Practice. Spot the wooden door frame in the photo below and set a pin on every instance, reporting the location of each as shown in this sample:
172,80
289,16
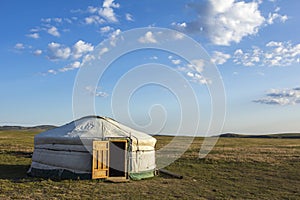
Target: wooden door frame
100,162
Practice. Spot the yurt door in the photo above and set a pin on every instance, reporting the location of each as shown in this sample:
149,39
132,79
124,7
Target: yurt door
100,168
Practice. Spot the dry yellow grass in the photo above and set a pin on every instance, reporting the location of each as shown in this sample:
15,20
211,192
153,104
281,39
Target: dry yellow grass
237,168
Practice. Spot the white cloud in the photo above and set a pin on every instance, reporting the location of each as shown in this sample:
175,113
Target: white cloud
35,29
68,20
179,25
272,17
110,4
103,51
102,14
238,52
226,22
19,46
198,78
92,9
46,20
153,58
281,97
37,52
87,58
52,71
94,19
105,29
74,18
248,58
220,6
231,21
273,44
76,11
53,31
101,94
176,61
113,37
56,51
96,91
34,35
220,58
128,17
81,48
274,54
197,65
107,10
70,67
193,71
56,20
190,74
178,36
273,101
148,38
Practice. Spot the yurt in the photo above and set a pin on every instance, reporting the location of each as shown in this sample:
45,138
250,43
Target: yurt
93,147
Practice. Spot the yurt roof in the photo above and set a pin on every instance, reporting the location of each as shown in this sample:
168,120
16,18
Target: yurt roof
93,127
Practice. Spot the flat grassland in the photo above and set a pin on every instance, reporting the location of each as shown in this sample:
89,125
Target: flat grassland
237,168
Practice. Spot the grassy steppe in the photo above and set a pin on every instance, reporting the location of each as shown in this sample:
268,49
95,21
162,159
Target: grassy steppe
237,168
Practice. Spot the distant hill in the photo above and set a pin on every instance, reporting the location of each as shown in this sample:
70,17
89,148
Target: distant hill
41,127
281,135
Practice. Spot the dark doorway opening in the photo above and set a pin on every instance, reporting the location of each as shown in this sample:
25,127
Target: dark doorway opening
117,158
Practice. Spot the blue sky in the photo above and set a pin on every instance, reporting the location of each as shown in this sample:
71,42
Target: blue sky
254,44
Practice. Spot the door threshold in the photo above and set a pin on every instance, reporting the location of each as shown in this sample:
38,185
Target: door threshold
117,179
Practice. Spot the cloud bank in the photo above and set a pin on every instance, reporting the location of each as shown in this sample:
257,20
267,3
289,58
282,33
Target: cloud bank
281,97
274,54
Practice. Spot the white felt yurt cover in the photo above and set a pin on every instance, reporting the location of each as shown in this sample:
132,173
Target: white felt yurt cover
68,149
